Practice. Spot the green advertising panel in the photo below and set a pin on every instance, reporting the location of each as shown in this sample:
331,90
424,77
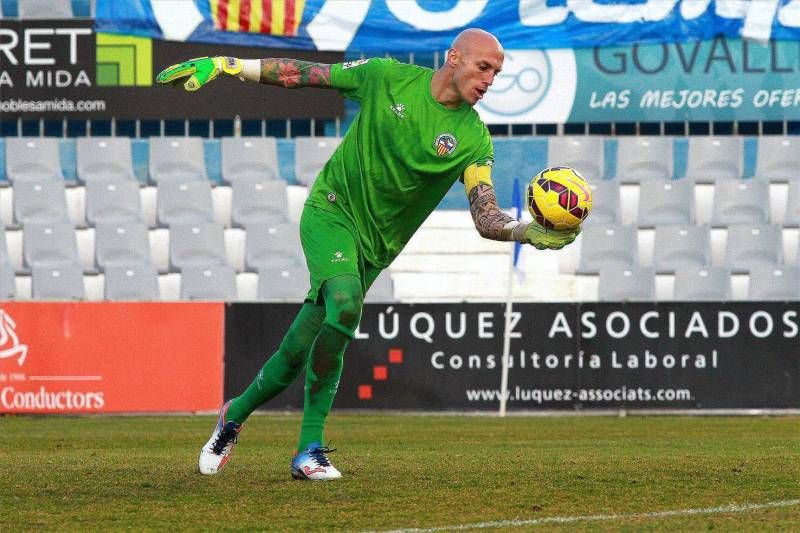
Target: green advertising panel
721,79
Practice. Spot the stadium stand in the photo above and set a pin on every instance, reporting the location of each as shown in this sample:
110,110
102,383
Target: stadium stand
272,245
584,153
131,282
209,282
665,202
104,159
644,158
259,202
121,244
48,244
777,159
40,201
33,158
771,283
608,247
198,245
637,284
681,246
250,159
184,202
702,284
282,284
45,9
605,202
114,202
8,284
311,154
177,159
792,213
710,159
751,245
740,202
58,282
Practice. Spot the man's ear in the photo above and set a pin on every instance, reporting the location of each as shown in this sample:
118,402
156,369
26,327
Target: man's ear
453,57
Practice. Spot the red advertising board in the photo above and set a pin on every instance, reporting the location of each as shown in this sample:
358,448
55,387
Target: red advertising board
88,357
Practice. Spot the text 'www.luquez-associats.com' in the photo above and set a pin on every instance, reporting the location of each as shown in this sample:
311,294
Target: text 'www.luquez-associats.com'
618,394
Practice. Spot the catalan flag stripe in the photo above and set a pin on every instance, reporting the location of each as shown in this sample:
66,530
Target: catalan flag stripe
278,14
244,15
233,15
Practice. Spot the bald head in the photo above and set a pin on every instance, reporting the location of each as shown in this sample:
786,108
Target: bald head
473,39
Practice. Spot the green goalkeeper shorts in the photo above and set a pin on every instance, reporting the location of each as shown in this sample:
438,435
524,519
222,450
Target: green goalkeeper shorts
331,247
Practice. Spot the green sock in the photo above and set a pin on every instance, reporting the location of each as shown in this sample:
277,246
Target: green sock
283,367
344,298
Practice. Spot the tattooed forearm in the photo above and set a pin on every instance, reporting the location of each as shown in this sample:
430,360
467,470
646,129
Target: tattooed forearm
291,73
489,219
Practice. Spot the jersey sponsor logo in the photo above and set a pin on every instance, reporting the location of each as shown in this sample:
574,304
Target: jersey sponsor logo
399,110
445,144
351,64
338,257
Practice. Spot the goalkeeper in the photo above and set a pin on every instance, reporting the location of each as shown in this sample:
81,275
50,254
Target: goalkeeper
414,135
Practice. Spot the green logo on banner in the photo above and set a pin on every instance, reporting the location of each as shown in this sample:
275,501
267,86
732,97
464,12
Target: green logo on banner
123,60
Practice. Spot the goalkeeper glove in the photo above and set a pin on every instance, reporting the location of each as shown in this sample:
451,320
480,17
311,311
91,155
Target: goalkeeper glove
197,72
543,238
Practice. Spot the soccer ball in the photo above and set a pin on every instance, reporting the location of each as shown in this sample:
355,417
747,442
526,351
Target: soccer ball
559,198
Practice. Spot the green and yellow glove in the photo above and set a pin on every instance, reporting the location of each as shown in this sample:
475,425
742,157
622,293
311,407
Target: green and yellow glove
197,72
543,238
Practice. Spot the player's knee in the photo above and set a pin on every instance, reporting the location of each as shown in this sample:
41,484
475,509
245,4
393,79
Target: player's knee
295,348
346,311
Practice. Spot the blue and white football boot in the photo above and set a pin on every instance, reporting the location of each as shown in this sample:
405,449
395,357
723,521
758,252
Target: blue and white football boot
215,454
313,464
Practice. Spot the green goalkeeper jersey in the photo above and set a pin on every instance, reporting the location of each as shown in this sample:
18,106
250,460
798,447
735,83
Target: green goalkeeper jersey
402,153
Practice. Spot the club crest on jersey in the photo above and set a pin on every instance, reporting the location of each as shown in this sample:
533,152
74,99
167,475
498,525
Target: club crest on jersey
351,64
445,144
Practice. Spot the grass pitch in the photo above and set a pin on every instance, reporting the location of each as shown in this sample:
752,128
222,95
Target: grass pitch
139,473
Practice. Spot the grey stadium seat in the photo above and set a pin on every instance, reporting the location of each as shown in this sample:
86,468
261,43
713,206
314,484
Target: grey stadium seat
774,283
40,201
778,158
666,202
104,159
58,282
184,202
249,158
196,245
310,155
131,282
608,246
605,202
752,245
740,202
583,153
289,284
637,284
714,158
44,9
792,217
8,286
177,159
272,245
114,201
259,201
49,244
382,289
644,158
121,244
33,158
679,246
213,282
702,284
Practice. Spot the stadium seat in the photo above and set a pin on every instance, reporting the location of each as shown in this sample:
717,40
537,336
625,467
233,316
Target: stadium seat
310,155
113,202
272,245
679,246
740,202
177,159
40,201
48,244
121,244
605,202
210,282
196,245
777,159
58,282
259,201
249,158
44,9
751,245
702,284
184,202
636,284
710,159
666,202
774,283
104,159
644,158
8,286
382,289
583,153
608,246
288,284
792,217
33,158
131,282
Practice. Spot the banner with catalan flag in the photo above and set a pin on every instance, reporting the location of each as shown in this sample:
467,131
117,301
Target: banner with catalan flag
274,17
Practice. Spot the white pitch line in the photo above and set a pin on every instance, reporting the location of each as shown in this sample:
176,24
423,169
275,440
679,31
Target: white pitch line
733,508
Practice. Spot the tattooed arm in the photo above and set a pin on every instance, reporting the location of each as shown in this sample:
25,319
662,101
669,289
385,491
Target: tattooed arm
292,73
489,220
